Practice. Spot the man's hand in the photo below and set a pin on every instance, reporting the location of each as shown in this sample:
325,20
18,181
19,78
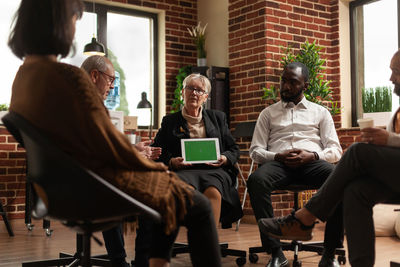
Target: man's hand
177,163
221,161
376,136
295,158
147,151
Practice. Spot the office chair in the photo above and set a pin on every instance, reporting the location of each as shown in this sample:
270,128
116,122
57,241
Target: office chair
245,131
5,220
297,246
66,191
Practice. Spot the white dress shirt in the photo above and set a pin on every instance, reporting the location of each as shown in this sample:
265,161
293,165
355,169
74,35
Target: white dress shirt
394,138
283,126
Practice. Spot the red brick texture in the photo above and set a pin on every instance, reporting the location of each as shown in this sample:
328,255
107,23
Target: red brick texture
12,175
259,29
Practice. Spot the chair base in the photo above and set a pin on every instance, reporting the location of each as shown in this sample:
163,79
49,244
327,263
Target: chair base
298,246
180,248
80,258
68,260
5,219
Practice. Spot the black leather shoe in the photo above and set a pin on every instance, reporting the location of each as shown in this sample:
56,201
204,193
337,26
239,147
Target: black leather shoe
276,262
328,262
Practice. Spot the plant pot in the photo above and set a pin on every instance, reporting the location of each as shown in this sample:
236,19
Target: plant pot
380,118
202,62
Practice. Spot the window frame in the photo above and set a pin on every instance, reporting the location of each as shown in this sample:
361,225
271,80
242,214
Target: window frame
353,52
101,33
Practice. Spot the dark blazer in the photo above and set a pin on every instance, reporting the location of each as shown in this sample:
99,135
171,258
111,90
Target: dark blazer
174,128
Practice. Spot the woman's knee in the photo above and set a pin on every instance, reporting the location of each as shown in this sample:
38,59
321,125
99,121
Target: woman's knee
212,193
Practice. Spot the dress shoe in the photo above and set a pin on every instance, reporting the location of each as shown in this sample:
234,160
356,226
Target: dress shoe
277,262
328,262
288,227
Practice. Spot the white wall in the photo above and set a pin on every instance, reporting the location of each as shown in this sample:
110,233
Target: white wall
215,13
345,67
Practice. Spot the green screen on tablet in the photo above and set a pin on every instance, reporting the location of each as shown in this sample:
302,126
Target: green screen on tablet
200,150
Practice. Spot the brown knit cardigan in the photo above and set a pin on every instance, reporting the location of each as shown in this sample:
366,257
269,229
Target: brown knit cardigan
61,100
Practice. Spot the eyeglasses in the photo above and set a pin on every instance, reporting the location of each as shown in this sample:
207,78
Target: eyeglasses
111,79
196,91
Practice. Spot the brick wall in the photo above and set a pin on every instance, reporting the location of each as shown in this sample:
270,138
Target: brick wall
12,175
258,30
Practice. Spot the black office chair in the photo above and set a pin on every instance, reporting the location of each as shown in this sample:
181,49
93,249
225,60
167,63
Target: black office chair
244,131
68,192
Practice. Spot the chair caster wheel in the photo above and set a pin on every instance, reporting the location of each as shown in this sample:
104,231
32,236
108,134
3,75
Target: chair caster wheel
241,261
341,260
48,231
29,226
253,257
297,264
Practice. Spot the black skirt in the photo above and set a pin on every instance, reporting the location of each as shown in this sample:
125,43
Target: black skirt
202,178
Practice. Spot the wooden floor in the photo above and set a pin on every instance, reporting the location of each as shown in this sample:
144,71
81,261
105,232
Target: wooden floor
34,245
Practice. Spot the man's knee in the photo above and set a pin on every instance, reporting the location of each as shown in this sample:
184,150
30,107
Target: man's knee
258,184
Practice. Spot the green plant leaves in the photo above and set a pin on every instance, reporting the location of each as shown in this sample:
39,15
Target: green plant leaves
177,102
378,99
318,90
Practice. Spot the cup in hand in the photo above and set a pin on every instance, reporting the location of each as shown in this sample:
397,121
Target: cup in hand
365,122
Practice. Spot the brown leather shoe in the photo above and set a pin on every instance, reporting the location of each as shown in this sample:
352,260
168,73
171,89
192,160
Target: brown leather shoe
288,227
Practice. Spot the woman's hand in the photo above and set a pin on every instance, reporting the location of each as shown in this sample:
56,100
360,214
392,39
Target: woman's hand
148,151
221,161
376,136
177,163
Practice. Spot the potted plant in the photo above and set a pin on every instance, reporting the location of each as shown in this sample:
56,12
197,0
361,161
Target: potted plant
3,110
177,102
377,104
198,35
318,90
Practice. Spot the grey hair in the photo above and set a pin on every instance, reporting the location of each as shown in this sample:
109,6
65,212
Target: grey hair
197,76
95,63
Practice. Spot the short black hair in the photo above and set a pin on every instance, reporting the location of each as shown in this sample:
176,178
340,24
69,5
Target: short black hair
44,27
304,69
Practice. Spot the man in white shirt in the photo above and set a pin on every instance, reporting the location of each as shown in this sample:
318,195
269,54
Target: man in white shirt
294,142
367,174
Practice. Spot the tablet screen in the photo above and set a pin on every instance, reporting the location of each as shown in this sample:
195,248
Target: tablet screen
200,150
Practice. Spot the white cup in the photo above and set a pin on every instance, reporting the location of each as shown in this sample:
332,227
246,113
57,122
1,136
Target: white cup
365,122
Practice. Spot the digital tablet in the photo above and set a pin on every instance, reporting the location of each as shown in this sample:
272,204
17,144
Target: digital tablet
200,150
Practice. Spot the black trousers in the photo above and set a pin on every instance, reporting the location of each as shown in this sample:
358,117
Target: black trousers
202,236
366,175
272,175
114,242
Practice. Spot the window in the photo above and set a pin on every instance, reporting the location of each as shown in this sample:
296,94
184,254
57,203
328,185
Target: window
130,39
10,62
374,39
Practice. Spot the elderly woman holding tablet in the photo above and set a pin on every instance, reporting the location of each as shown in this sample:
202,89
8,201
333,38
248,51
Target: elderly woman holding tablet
216,178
